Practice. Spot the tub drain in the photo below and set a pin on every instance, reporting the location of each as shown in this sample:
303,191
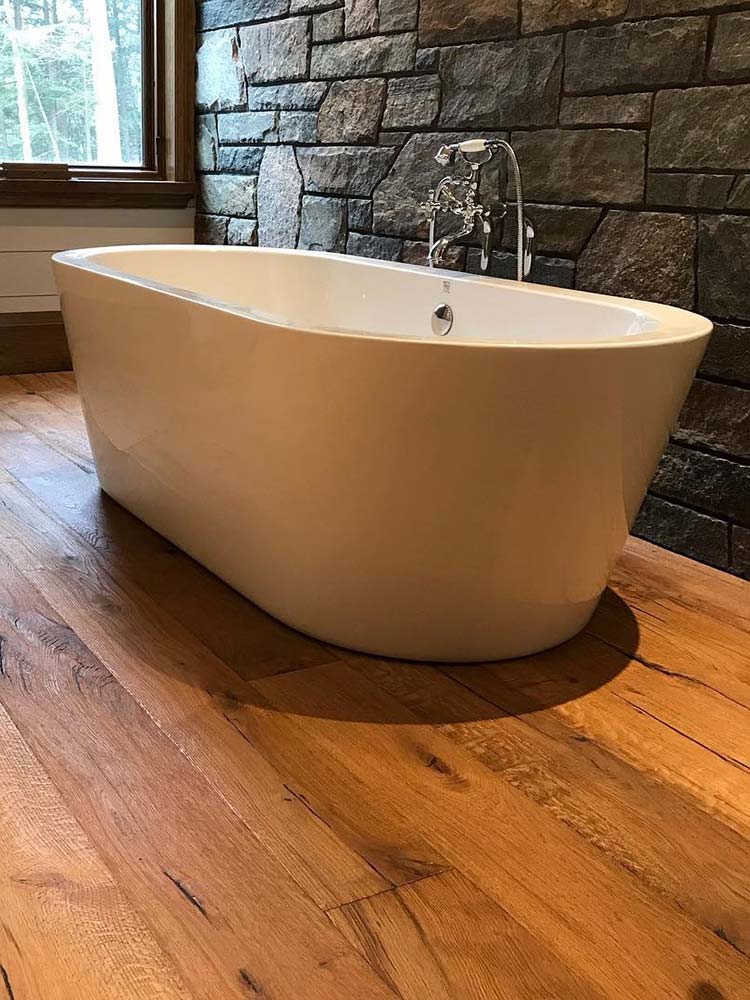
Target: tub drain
442,320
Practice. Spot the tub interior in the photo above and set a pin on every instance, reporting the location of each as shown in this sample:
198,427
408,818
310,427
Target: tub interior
349,295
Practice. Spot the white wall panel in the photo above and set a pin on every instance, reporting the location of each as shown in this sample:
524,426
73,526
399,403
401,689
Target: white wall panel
26,273
28,237
28,303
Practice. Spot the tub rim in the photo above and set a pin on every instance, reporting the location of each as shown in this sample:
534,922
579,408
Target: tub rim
674,325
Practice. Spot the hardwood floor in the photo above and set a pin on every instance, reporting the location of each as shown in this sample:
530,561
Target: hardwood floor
197,802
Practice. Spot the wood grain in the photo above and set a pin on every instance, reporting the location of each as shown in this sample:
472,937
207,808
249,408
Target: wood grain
571,825
220,904
693,623
178,681
442,938
62,430
67,930
106,192
671,730
494,834
643,823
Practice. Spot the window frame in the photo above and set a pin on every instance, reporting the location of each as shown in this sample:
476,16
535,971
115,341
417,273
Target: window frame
167,178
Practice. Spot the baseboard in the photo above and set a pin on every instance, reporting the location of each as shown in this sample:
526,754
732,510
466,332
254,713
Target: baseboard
33,342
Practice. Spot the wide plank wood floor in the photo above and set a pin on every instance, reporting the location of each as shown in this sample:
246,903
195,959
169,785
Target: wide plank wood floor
198,803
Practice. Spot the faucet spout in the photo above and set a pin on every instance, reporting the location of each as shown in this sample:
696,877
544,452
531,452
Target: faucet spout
438,248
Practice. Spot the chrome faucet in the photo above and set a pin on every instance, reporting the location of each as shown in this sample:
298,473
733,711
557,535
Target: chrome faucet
458,195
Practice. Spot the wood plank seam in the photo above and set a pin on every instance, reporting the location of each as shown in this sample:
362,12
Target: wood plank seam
642,711
666,671
391,888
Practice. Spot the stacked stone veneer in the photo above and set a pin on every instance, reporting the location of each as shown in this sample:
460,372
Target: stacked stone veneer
318,120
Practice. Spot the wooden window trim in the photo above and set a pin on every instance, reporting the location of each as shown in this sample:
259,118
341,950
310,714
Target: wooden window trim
168,178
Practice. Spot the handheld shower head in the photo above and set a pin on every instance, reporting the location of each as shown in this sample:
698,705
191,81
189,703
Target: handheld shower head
446,155
475,145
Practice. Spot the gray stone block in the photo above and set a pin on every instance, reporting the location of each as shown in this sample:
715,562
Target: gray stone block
240,159
689,190
634,55
543,15
360,214
211,229
242,232
730,52
642,255
686,531
448,22
717,485
352,111
279,197
344,170
377,247
397,15
229,194
704,128
716,416
328,26
561,230
397,139
427,60
364,56
223,13
246,127
276,50
287,97
367,17
723,255
740,551
360,17
298,126
652,8
412,101
740,193
599,165
502,84
323,224
614,109
312,6
728,354
206,143
220,84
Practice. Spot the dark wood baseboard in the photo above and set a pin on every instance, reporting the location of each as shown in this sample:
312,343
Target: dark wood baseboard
33,342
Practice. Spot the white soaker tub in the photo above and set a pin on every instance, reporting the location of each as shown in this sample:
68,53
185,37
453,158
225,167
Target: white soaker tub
291,421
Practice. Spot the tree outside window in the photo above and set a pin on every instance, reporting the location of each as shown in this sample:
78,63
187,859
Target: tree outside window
71,82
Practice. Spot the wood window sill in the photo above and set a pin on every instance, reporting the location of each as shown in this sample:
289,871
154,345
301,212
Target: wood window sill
79,192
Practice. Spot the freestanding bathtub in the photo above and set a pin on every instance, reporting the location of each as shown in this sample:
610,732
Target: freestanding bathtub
291,420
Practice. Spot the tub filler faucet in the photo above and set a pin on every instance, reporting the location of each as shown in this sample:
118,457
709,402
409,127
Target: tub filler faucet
458,194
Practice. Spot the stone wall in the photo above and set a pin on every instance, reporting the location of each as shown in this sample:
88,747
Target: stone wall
318,120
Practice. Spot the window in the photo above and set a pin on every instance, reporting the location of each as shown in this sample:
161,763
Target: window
95,90
72,82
